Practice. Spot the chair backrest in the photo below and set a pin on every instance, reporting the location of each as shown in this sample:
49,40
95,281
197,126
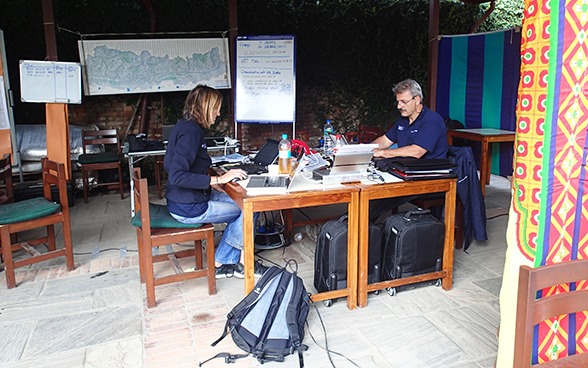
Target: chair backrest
53,173
368,133
531,311
302,135
95,137
142,200
6,177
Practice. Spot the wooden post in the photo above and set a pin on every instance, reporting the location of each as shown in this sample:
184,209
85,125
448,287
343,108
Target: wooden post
433,54
58,148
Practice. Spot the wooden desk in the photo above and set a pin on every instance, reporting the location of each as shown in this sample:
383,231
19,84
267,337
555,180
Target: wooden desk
257,203
487,137
377,191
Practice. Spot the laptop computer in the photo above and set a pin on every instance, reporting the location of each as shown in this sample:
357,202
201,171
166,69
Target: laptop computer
271,184
166,131
349,164
264,157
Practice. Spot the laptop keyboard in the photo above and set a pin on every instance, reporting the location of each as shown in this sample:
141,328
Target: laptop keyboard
274,182
250,168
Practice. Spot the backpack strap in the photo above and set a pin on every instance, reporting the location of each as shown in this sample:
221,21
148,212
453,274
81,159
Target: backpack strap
229,358
225,333
299,304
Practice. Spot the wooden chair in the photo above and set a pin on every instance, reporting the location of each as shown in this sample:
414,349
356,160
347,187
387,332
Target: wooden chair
7,196
365,134
155,228
302,135
351,137
108,160
35,213
158,164
531,311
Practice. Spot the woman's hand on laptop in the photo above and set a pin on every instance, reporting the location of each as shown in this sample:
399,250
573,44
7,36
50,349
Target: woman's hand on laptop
232,175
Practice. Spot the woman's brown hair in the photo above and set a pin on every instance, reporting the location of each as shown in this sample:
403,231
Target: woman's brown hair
202,104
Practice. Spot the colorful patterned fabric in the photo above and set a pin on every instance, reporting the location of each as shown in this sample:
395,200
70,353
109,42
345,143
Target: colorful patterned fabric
477,82
550,191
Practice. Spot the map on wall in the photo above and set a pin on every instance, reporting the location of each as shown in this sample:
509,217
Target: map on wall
142,66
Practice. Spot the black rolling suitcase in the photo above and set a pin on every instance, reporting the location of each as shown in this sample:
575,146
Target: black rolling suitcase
330,259
412,244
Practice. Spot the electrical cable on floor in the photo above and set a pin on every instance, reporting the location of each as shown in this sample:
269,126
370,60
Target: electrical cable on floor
326,348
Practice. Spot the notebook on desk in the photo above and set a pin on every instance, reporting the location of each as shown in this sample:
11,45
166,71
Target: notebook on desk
271,184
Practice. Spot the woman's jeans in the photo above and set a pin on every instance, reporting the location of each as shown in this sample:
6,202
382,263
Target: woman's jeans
221,209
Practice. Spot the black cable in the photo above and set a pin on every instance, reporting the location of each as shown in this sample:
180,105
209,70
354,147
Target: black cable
326,348
495,216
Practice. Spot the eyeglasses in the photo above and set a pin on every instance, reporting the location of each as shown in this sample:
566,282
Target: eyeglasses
404,102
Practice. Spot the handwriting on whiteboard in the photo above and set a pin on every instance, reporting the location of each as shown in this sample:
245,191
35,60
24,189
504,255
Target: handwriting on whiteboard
265,80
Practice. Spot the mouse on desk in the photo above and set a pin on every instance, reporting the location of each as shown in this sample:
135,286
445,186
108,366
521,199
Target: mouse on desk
237,179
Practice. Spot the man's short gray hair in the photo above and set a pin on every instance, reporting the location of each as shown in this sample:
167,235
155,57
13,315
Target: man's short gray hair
408,85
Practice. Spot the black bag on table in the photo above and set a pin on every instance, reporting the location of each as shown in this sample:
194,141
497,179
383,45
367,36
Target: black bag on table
330,258
412,244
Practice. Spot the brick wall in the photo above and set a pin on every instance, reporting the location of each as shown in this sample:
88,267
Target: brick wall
109,112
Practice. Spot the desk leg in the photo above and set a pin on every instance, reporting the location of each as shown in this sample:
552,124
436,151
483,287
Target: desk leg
288,226
449,233
352,247
363,226
489,163
484,166
248,247
132,185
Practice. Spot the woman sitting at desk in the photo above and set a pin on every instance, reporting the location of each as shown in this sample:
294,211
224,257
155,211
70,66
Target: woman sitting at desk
192,195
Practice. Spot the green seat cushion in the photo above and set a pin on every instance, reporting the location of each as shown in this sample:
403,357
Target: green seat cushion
97,158
29,209
161,219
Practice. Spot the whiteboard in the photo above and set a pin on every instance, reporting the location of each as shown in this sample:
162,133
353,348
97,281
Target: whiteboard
265,85
50,82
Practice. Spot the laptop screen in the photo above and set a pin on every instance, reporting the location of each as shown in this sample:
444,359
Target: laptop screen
166,132
268,153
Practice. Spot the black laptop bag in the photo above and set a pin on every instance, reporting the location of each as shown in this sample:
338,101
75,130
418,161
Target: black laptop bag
330,259
412,244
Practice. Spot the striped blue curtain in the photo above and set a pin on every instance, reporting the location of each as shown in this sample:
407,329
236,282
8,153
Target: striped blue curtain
477,82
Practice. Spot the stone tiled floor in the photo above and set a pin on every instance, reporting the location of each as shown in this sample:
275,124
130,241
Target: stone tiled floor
96,316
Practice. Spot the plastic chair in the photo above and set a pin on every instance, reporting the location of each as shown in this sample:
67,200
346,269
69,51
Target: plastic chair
531,311
35,213
100,161
155,228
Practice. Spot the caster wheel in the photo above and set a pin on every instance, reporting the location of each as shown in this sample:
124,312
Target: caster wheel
391,291
328,303
438,283
377,292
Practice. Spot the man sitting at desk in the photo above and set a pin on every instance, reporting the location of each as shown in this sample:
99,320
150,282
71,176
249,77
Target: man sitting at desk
419,132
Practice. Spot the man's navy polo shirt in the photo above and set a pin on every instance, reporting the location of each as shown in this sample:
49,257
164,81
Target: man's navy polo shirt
427,131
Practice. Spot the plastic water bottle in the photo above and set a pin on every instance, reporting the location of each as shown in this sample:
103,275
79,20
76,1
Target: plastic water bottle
328,146
338,143
284,155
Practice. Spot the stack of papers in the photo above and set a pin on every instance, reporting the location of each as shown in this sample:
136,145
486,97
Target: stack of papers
232,158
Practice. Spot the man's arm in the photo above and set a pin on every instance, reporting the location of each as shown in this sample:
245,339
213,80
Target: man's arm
408,151
383,142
